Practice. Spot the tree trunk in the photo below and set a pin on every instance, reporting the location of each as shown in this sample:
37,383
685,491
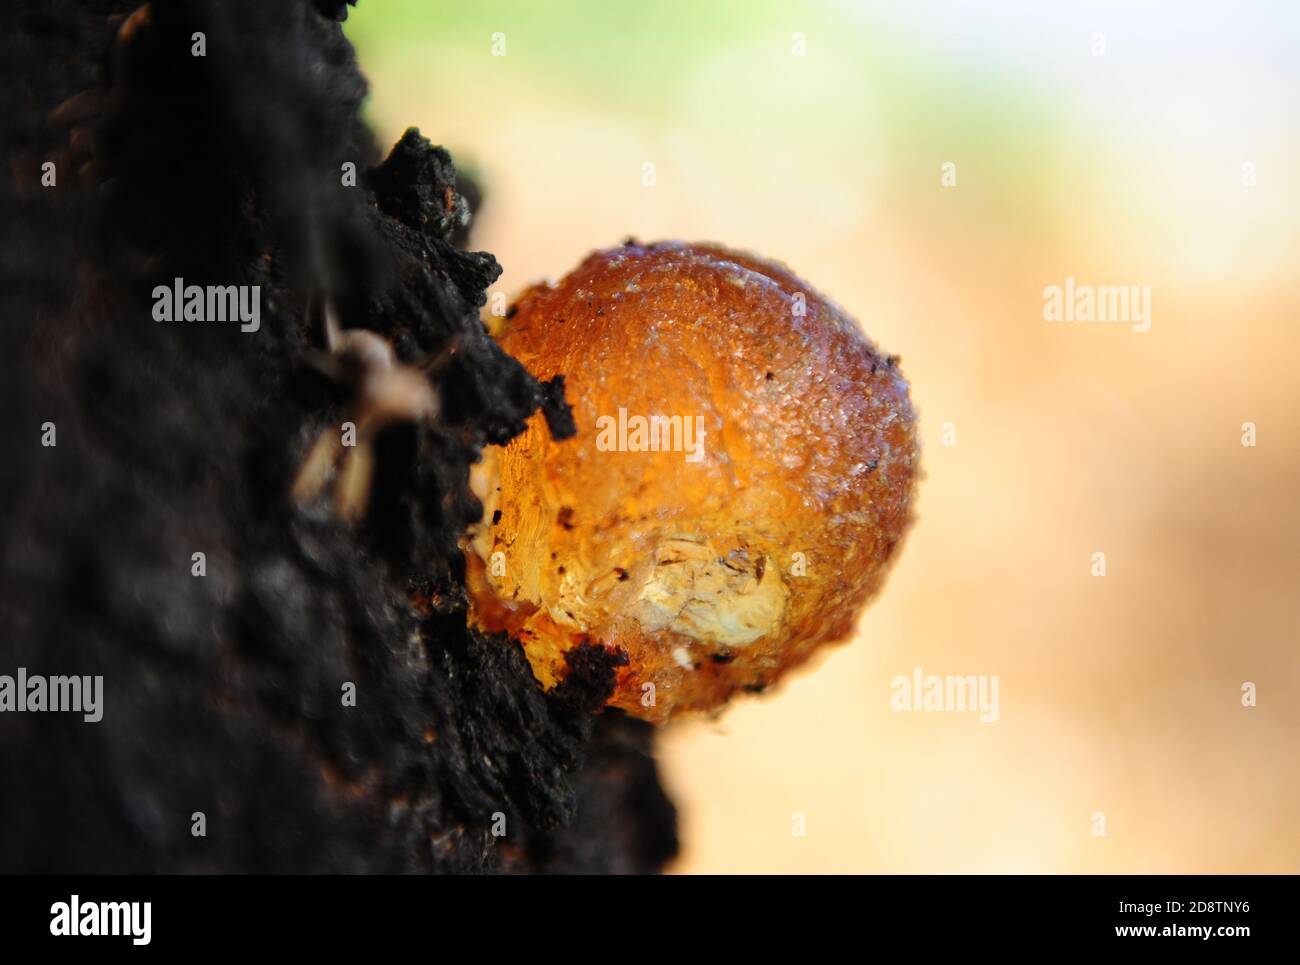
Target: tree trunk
228,741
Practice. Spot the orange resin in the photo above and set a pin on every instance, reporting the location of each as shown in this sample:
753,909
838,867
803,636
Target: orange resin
742,475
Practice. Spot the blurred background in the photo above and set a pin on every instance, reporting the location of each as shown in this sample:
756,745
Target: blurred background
1112,143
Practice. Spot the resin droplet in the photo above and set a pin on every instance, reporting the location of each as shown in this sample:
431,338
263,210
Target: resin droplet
742,474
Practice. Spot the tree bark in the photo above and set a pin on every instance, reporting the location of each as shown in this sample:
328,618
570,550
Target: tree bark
223,694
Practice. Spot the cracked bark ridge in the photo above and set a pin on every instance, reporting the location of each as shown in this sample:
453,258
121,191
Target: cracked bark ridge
222,693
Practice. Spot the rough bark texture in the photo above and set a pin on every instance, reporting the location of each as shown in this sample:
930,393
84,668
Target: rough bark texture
222,693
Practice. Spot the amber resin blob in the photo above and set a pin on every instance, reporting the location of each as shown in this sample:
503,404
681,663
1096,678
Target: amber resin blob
742,475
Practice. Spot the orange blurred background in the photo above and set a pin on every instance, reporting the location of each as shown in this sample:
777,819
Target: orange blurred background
1100,142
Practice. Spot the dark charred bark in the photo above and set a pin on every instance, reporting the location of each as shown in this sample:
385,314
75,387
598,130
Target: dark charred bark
222,693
